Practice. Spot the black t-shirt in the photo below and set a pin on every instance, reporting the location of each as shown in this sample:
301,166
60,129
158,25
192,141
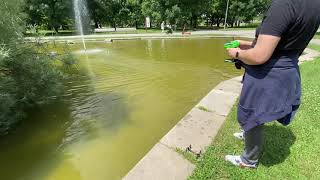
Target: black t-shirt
295,21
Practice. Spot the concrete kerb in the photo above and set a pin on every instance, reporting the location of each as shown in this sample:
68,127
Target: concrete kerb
109,40
161,163
198,128
309,55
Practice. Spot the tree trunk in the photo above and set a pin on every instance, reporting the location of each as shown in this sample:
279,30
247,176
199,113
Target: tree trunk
136,24
218,21
212,20
56,29
232,22
115,26
96,24
195,21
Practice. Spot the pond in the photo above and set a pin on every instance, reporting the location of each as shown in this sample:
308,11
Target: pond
138,90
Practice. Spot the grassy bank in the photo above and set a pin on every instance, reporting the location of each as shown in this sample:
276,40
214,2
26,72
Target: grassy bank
289,152
317,36
314,47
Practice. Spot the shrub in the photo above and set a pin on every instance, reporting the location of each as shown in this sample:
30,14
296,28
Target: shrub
29,75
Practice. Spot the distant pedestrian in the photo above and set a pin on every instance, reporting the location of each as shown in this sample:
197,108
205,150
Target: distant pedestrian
272,83
162,26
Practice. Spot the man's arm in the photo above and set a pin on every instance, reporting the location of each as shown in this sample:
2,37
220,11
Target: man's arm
260,54
245,44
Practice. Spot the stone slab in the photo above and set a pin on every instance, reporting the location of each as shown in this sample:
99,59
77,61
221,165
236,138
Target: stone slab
315,41
161,163
232,86
198,128
219,102
309,55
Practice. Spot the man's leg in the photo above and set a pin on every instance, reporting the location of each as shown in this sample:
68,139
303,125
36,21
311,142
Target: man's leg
253,145
253,148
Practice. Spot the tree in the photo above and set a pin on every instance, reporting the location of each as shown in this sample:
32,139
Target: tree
193,9
216,12
96,12
135,12
51,13
28,76
173,15
153,9
246,10
112,12
58,13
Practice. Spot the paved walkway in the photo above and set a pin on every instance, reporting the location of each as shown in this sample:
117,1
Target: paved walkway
315,41
242,33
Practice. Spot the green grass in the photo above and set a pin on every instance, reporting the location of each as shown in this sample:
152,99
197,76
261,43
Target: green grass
314,47
187,155
52,33
289,152
317,36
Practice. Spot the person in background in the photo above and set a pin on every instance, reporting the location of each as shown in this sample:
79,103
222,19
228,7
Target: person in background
162,26
272,84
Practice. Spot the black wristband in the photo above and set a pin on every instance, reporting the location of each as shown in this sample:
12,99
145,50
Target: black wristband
237,55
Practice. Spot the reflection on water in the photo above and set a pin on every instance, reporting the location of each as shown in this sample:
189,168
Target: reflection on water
105,124
89,51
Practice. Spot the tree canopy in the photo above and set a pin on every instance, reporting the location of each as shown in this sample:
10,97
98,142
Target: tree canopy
129,13
51,14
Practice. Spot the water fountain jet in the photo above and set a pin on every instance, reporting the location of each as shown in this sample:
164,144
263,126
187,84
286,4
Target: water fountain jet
81,16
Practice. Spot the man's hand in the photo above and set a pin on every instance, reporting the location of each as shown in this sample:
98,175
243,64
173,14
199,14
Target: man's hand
244,45
232,52
262,51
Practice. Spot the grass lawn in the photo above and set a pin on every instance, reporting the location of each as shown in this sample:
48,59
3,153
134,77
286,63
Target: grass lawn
314,47
289,153
317,36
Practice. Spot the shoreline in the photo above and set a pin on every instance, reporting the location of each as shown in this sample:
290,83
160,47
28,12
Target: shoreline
210,33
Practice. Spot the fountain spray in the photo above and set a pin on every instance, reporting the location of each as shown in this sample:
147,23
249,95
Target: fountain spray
81,16
80,10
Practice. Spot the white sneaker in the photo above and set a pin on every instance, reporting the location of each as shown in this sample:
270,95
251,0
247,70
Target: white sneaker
236,160
239,135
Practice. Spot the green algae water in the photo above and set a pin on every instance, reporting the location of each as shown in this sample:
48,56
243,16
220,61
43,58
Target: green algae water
105,124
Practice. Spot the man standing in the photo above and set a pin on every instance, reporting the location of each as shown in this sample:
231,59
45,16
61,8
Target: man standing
272,84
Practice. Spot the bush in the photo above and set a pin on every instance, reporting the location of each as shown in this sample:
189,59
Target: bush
29,75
